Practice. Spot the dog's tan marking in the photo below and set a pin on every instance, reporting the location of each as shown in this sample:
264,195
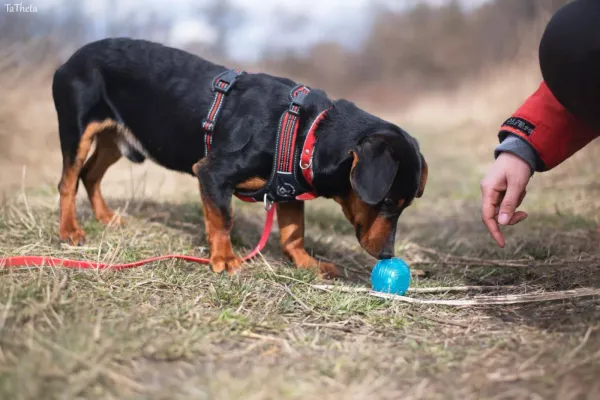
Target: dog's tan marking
106,134
290,217
254,183
106,154
69,228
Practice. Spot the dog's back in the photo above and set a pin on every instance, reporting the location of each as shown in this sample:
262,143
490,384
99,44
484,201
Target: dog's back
134,86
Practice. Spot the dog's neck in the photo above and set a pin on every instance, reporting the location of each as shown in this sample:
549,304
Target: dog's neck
342,130
332,160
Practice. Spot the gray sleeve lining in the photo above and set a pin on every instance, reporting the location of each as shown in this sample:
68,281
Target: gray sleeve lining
520,148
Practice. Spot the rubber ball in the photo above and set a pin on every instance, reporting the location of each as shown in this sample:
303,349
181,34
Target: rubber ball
391,276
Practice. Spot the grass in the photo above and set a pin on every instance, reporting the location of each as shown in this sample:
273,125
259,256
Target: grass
176,330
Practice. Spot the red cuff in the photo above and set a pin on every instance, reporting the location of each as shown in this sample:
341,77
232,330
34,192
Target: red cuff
552,131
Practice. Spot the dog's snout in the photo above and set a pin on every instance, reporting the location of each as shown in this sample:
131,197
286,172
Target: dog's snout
386,254
388,248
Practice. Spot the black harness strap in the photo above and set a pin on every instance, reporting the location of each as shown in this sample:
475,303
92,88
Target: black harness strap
222,85
283,184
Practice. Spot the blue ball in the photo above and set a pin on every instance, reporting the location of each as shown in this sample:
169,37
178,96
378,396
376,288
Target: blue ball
391,276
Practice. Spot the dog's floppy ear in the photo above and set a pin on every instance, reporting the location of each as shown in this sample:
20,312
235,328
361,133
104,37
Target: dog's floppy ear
424,173
373,169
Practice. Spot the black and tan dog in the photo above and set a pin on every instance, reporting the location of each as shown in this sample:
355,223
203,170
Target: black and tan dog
144,100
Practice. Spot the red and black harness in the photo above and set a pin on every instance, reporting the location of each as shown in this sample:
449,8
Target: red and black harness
285,182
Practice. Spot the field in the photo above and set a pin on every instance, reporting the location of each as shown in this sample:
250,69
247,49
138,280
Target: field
176,330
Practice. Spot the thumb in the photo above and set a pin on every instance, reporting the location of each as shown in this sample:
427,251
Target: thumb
510,202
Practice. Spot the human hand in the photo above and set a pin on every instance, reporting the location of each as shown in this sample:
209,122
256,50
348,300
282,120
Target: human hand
502,191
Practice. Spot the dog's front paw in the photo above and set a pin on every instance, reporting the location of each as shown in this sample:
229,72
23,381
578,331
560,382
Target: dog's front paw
231,264
328,270
325,270
73,237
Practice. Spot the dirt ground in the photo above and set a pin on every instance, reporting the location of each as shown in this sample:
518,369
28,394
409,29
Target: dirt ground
174,330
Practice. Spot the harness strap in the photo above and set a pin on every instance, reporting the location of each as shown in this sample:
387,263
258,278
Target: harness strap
222,85
284,183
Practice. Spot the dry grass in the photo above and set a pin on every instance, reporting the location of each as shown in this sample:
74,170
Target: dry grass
28,127
175,330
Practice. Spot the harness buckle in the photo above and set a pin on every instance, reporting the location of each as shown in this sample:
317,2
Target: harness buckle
224,90
297,103
228,78
267,202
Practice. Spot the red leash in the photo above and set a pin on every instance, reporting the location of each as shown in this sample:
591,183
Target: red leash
21,261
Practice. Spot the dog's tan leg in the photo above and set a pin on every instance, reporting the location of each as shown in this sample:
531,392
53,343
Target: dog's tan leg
106,154
69,230
290,217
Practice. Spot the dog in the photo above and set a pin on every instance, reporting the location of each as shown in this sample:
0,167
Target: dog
140,99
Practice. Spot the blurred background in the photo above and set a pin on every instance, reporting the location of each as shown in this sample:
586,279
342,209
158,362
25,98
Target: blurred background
449,72
416,62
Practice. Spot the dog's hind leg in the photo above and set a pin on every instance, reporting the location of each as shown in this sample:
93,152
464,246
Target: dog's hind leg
106,154
73,162
83,113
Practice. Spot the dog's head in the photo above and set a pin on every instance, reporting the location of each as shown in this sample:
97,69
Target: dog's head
388,172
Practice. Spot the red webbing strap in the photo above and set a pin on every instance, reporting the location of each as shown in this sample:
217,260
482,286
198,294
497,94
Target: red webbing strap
24,261
308,149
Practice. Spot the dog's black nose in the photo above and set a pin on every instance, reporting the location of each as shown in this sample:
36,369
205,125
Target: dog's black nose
385,254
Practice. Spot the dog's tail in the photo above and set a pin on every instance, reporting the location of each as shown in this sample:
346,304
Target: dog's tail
127,144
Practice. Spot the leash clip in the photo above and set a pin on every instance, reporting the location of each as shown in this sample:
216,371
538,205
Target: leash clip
268,202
